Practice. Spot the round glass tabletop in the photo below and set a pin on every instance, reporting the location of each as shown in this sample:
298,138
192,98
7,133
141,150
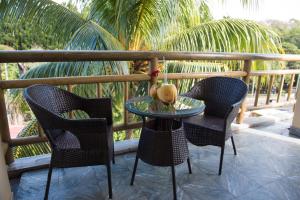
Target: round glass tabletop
146,106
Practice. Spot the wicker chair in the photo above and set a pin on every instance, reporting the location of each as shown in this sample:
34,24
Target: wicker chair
223,98
74,143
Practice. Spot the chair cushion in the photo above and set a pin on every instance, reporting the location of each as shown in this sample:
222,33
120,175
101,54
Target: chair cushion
204,130
67,140
205,121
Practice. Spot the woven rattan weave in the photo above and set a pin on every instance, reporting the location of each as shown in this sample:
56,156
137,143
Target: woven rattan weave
74,142
223,97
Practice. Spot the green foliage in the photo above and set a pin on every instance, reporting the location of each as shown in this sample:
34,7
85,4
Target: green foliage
290,48
288,31
24,35
34,149
169,25
290,34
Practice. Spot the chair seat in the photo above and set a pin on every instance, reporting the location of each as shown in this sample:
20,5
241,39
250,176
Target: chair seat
205,121
67,140
204,130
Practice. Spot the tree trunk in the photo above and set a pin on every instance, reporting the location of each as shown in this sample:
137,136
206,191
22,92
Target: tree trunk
22,69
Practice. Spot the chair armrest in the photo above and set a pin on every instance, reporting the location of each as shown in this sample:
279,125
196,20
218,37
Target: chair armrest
91,125
193,95
98,108
232,113
195,92
91,133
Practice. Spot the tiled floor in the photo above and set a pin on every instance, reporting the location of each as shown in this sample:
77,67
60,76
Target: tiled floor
265,168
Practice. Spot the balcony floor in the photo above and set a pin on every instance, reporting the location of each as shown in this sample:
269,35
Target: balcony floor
267,167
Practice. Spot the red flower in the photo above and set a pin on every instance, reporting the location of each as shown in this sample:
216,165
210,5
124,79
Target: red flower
154,73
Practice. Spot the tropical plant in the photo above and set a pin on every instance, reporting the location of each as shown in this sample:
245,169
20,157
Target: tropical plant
24,35
290,34
165,25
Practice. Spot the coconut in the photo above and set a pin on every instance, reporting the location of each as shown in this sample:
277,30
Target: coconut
167,93
153,91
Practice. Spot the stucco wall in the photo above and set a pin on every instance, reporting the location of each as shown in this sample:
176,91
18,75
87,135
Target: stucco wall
5,191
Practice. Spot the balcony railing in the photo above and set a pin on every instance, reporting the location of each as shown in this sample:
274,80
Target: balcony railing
65,56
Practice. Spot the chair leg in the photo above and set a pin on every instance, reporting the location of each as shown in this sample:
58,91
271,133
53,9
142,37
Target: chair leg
233,145
174,182
134,170
221,159
113,155
189,165
48,182
109,179
170,124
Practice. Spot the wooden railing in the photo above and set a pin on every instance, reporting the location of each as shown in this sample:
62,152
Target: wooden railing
282,74
153,57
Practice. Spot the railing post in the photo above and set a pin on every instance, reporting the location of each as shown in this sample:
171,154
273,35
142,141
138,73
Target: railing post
257,91
270,89
99,90
153,68
4,129
71,114
127,116
280,88
125,99
247,69
177,84
290,87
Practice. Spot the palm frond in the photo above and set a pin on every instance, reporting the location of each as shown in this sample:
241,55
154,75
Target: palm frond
148,19
193,67
192,13
205,12
226,35
91,36
113,16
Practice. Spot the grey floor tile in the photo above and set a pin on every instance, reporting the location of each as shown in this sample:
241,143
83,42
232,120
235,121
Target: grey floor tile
284,189
259,194
265,168
236,183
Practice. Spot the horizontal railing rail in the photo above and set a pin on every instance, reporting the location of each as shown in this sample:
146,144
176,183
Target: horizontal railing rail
9,84
274,72
67,56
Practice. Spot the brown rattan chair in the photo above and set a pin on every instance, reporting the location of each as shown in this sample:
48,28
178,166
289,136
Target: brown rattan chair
74,142
223,97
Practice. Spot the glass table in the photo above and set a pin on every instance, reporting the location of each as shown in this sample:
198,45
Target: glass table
162,141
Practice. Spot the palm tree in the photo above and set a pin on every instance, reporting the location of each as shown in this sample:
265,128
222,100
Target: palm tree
170,25
165,25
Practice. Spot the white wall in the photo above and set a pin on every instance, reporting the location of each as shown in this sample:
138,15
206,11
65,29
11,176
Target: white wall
5,191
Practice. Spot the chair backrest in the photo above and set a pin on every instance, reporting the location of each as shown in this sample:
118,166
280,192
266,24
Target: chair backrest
48,103
219,93
51,98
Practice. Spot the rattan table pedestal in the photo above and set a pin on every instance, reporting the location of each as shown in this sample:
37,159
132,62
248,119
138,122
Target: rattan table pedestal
162,141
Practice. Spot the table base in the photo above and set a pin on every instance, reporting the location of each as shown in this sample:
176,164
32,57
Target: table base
163,143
